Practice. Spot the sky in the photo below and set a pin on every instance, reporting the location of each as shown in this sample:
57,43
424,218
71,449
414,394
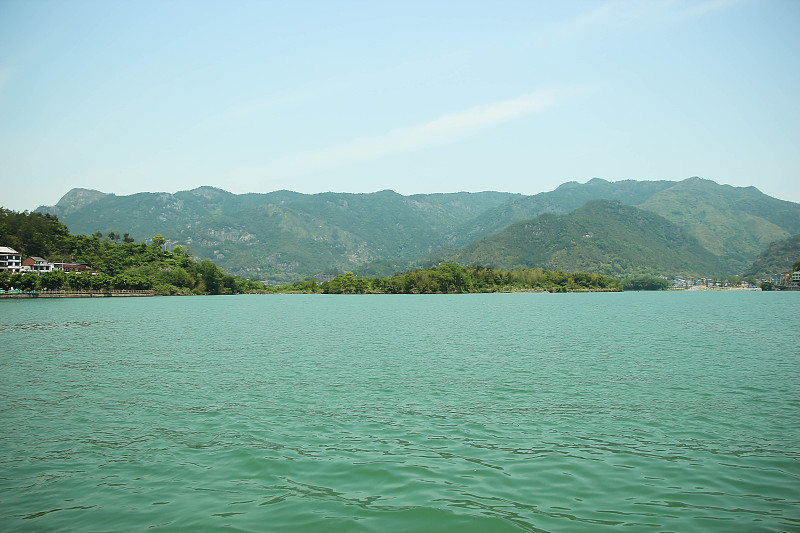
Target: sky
417,97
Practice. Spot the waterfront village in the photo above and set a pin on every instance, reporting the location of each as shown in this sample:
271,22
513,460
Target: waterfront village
11,260
702,283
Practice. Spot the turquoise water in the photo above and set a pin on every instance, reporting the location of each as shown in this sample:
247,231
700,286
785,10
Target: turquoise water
632,412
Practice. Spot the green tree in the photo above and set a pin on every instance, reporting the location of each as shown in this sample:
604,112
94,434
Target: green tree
100,281
15,280
29,281
53,280
645,283
211,276
451,278
796,266
121,282
159,241
79,281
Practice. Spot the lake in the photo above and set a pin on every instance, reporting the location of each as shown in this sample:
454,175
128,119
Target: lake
673,411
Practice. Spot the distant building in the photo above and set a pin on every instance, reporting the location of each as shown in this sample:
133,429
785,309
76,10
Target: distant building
36,264
10,259
70,267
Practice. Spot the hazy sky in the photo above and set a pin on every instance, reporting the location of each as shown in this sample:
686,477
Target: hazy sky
417,97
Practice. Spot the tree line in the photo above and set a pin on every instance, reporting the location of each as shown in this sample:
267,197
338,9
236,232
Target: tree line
449,278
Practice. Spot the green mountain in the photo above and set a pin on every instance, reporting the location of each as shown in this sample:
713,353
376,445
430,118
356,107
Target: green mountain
73,201
603,236
283,236
778,258
735,223
566,198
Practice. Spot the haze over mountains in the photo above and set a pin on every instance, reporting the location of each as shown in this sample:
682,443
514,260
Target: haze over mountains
693,226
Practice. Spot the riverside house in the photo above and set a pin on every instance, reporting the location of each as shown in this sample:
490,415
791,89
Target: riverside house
10,259
70,267
36,264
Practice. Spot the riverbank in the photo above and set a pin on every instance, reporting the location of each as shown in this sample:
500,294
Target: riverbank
75,294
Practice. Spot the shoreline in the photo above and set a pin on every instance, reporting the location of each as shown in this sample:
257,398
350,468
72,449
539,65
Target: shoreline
76,294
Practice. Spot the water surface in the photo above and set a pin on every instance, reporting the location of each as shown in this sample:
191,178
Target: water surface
505,412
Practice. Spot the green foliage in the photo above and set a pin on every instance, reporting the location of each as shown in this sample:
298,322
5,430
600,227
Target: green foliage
645,283
283,236
449,278
31,233
28,281
565,199
53,280
119,266
735,223
602,236
778,257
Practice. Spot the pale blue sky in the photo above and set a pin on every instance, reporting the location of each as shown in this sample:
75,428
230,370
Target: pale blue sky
417,97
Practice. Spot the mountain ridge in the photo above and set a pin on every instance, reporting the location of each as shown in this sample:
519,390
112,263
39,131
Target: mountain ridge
602,236
284,235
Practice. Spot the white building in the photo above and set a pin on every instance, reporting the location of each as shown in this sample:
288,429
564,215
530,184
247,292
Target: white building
10,259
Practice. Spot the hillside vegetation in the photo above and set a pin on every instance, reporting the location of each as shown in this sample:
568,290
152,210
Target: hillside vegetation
603,236
126,265
734,223
779,258
565,199
283,236
448,278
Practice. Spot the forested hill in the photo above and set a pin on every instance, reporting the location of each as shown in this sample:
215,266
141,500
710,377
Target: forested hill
115,265
284,236
565,199
778,258
603,236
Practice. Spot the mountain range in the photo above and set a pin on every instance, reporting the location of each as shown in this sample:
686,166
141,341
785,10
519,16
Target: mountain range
693,226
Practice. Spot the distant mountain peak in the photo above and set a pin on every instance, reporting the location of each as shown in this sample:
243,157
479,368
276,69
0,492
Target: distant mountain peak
207,191
80,196
74,200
